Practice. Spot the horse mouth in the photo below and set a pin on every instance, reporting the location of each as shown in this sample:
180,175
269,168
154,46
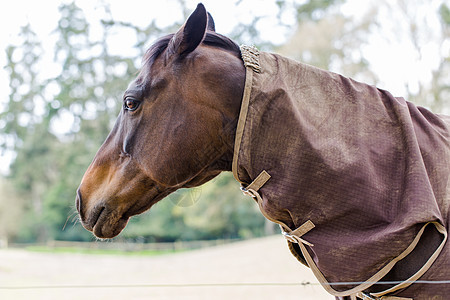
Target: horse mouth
106,224
106,221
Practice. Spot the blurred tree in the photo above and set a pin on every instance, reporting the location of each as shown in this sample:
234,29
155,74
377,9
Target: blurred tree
24,125
440,84
329,40
425,27
24,101
11,211
437,94
215,210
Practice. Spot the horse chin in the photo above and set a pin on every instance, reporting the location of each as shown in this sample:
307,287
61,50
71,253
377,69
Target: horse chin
105,224
108,230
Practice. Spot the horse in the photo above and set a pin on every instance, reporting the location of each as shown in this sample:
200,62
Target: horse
357,179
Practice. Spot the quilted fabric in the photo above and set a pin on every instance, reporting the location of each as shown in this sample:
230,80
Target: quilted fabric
368,169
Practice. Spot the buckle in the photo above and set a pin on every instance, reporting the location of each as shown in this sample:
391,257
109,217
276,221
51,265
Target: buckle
246,192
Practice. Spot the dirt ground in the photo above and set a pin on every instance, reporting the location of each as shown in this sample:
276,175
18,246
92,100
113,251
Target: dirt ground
233,271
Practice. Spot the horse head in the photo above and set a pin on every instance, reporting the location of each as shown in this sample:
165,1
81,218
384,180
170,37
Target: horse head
175,129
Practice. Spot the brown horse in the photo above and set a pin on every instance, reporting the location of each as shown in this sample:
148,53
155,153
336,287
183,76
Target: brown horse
359,180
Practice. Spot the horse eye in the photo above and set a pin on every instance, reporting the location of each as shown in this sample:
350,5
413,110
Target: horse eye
131,104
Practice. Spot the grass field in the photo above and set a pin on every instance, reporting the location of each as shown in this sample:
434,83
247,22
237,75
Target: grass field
254,269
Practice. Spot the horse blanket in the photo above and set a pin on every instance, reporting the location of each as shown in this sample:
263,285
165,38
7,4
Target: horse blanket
359,180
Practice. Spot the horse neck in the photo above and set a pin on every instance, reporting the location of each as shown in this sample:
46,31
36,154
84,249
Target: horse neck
230,107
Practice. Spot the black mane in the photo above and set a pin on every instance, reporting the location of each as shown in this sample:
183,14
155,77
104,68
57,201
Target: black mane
220,41
211,39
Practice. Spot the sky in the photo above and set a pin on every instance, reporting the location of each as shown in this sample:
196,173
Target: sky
390,56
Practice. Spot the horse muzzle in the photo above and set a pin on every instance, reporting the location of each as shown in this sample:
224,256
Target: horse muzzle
101,220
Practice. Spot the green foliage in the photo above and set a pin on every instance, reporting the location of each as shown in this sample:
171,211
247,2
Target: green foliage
215,210
314,9
11,209
25,88
325,38
444,11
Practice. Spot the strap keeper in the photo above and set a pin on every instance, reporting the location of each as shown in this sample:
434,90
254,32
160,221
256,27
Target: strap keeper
252,189
295,235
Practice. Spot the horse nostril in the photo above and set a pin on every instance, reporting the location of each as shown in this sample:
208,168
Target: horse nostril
78,203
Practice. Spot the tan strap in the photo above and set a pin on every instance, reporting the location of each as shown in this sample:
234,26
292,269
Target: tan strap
241,121
307,226
394,298
368,297
365,297
250,56
295,235
259,181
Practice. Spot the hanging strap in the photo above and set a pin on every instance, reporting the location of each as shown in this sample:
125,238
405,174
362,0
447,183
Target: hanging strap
252,189
293,236
358,290
364,296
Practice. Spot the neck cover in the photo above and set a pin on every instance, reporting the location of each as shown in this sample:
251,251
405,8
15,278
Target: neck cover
365,172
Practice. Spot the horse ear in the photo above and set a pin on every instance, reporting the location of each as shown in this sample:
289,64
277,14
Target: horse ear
191,34
211,24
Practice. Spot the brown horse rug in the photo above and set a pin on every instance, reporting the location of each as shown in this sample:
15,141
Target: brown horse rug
357,179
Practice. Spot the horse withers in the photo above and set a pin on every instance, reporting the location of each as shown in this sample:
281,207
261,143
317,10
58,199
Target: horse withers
357,179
